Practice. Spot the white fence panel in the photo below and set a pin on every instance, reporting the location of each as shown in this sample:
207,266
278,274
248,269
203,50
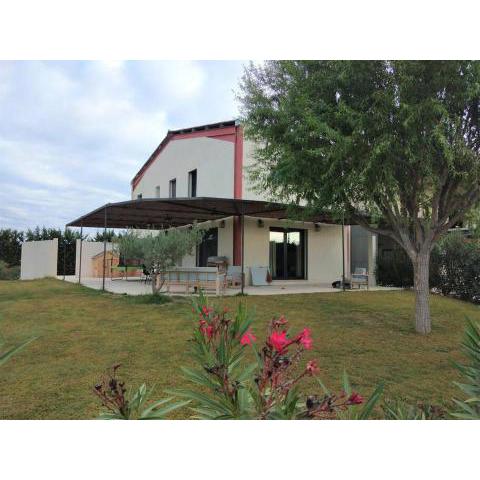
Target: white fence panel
39,259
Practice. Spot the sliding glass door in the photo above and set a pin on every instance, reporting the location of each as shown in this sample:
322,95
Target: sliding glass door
287,254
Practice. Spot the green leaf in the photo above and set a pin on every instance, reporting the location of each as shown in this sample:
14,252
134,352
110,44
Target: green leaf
160,413
371,402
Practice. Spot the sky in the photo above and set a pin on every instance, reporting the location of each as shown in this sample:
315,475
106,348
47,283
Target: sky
73,134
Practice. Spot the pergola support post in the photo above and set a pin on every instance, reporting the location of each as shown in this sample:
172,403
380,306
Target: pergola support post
64,251
104,247
242,220
343,252
80,256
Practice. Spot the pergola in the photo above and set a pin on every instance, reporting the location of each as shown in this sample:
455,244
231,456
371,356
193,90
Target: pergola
164,213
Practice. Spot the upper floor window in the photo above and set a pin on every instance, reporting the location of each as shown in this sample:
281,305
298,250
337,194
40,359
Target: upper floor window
172,193
157,191
192,183
139,196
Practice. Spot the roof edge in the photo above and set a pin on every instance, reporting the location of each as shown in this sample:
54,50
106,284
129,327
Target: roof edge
171,133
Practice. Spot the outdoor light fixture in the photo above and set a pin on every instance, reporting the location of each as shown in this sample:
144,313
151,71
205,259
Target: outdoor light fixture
222,224
260,223
317,227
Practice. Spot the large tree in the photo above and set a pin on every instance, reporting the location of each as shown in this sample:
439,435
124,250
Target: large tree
397,142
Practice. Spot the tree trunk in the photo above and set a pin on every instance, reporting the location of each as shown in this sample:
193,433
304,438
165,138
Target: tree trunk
421,286
157,283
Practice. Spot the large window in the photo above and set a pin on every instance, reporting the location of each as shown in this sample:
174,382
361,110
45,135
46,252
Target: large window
287,254
208,247
172,191
192,183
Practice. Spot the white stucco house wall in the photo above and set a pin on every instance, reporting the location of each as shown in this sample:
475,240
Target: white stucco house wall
212,161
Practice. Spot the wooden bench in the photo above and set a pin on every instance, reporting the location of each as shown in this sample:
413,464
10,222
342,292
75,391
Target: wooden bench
195,278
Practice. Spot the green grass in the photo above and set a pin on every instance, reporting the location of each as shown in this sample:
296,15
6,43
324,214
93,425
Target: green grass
82,332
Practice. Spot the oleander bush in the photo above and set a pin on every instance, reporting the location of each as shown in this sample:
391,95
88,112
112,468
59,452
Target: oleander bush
229,384
469,407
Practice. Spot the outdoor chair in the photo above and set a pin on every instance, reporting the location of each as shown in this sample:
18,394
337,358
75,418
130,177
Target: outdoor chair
147,274
234,276
359,277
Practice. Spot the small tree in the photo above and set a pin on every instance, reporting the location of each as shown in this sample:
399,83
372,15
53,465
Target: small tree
399,140
159,251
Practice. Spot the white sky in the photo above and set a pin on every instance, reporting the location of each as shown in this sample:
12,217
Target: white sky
73,134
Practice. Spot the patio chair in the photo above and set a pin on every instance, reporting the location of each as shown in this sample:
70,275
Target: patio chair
359,277
147,274
234,276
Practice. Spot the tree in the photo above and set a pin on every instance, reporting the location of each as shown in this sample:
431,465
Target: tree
159,251
399,140
11,246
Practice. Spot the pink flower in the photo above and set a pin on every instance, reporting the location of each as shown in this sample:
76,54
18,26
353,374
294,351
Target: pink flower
247,338
279,341
210,331
355,399
305,339
312,367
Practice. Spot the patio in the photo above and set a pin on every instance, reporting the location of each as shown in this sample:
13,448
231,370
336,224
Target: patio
136,286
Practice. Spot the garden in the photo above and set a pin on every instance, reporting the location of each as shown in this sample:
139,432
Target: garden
80,334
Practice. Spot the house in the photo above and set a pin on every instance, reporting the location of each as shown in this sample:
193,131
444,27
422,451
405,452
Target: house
213,161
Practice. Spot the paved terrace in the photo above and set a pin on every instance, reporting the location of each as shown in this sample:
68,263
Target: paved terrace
136,286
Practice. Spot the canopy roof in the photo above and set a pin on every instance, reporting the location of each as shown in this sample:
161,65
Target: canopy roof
159,213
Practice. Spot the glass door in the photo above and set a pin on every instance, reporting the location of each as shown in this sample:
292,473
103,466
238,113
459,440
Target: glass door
208,247
287,254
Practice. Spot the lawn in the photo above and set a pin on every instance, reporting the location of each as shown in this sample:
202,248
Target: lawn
82,332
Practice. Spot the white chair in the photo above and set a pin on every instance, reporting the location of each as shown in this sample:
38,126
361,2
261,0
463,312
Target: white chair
359,277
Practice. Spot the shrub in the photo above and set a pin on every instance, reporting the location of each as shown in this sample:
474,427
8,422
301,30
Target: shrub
401,410
123,404
9,273
469,408
457,272
454,268
228,386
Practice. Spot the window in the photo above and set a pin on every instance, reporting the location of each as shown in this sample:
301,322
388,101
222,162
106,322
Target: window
139,196
157,191
192,183
173,188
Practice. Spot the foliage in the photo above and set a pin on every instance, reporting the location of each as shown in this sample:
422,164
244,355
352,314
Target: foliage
401,410
267,388
399,140
159,251
454,268
11,246
9,273
100,236
121,404
458,267
470,407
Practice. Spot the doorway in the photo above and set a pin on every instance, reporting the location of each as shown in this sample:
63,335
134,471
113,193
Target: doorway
208,247
287,253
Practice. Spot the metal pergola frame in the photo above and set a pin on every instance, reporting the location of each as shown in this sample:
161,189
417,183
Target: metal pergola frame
165,213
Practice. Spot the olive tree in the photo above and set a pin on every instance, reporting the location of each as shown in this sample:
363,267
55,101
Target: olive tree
159,251
394,145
